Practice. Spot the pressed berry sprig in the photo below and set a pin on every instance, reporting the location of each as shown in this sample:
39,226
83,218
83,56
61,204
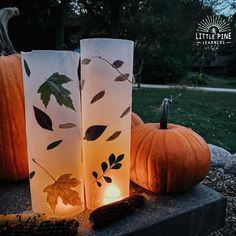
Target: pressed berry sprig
114,164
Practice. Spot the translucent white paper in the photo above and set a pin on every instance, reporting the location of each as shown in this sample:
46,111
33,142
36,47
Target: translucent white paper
53,125
106,82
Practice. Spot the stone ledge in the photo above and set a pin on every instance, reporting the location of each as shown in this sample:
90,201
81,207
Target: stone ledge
197,212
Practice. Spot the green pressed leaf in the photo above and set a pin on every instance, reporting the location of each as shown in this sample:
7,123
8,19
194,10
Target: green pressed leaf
95,174
112,159
53,86
104,166
27,69
67,125
54,144
116,166
99,184
107,179
120,158
31,175
85,61
114,136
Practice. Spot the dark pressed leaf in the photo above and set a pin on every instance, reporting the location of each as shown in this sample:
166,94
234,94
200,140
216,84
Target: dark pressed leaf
112,159
53,86
99,184
125,112
120,158
104,166
94,132
107,179
121,78
114,136
117,63
98,96
31,175
82,84
27,69
67,125
86,61
117,166
95,174
43,119
54,144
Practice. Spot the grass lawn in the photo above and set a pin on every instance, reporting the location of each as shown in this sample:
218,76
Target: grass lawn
216,81
211,114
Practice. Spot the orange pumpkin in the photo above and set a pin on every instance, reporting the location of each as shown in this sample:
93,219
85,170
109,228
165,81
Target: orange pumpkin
135,120
13,151
167,158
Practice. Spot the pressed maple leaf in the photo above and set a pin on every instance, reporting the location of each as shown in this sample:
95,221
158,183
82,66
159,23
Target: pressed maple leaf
53,86
62,188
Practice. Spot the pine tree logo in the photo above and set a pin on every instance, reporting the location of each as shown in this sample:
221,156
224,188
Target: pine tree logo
213,32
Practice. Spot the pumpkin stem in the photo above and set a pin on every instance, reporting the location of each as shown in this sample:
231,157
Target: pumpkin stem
6,47
164,113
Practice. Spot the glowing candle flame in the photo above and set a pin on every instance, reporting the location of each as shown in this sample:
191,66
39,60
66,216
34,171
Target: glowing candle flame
112,194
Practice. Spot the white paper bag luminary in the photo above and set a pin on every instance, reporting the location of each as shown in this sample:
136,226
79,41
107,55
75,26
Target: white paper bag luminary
106,90
53,127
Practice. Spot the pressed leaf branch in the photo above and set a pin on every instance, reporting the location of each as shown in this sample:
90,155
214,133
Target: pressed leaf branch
114,65
121,78
53,86
86,61
43,119
114,164
43,169
117,63
61,188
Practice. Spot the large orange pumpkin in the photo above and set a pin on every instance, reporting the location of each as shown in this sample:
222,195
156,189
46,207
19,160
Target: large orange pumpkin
13,152
135,120
167,158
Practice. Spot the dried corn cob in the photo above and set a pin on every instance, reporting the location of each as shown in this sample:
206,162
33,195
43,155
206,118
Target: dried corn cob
16,218
45,228
110,213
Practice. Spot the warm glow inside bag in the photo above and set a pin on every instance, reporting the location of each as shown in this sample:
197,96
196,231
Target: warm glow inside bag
106,79
53,125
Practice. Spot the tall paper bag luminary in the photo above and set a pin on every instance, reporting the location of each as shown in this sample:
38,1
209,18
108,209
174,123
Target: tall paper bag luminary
53,128
106,90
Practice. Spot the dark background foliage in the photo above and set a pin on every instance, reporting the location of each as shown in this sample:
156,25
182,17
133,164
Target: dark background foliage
163,31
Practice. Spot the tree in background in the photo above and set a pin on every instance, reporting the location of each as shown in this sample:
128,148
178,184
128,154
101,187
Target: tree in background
163,31
40,25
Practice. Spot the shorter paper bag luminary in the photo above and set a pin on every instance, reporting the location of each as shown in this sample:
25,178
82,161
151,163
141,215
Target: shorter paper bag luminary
106,83
53,128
